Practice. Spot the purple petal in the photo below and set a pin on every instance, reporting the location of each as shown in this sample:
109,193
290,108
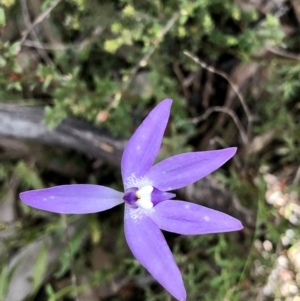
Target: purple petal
73,199
143,146
149,246
158,196
188,218
184,169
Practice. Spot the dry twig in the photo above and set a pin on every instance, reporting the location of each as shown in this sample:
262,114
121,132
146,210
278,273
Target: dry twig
50,46
233,86
39,19
32,33
68,243
283,53
59,46
209,111
181,79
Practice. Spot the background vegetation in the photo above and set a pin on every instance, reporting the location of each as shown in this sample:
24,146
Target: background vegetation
233,71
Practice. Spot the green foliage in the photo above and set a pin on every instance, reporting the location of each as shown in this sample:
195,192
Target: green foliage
131,30
40,268
5,277
73,245
283,89
28,176
2,17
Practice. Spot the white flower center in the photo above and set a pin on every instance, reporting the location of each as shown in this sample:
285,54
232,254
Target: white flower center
144,197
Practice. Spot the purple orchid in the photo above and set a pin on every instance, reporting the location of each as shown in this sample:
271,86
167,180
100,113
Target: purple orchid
148,204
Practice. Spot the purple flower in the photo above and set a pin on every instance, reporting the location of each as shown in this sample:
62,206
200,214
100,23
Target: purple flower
148,204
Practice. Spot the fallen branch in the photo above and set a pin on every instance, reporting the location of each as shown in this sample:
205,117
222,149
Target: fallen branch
26,123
